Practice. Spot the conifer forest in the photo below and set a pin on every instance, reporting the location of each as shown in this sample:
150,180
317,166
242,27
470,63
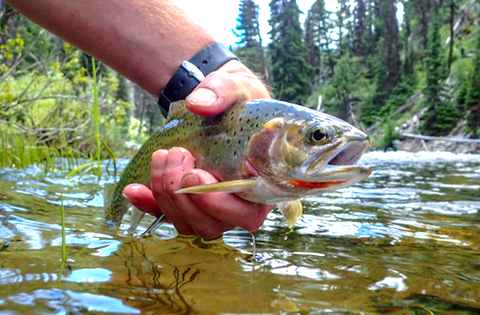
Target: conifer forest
387,66
375,63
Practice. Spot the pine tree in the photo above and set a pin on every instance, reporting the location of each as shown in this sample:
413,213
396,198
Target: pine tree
343,27
312,42
360,15
387,60
250,49
405,87
453,7
248,23
423,10
289,69
441,116
343,88
472,97
369,35
409,59
317,40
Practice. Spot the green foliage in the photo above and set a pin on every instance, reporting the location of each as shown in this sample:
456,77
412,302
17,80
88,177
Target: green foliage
289,70
14,46
320,55
44,112
253,57
441,115
250,49
248,27
386,62
355,58
400,94
472,91
389,136
343,90
343,26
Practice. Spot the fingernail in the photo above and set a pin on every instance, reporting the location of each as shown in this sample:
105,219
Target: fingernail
202,97
134,187
175,157
190,179
159,160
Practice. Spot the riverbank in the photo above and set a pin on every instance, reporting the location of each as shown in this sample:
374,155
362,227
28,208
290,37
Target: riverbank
416,145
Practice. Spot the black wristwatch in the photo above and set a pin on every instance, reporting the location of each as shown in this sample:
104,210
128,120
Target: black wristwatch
192,72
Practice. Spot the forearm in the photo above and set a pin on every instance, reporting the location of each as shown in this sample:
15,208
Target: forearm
145,41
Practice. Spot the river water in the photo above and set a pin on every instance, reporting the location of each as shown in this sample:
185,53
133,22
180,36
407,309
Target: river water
404,241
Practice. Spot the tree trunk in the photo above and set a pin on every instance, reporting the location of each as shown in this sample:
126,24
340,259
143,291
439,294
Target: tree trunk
452,34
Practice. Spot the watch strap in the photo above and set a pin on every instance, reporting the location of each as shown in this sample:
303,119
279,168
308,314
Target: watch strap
192,72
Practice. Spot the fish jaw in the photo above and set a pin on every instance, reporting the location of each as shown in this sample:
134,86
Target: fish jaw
338,169
290,167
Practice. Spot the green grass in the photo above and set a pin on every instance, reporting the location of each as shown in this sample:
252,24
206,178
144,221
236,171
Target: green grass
64,242
95,164
96,116
18,149
53,120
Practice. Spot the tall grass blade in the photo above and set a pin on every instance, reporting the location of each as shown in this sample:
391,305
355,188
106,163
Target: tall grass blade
79,169
64,241
96,116
112,156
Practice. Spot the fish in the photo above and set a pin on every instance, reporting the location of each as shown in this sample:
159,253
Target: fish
265,151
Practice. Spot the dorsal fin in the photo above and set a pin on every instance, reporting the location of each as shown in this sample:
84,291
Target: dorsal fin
175,109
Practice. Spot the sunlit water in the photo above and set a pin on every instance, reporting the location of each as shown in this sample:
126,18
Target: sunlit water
405,241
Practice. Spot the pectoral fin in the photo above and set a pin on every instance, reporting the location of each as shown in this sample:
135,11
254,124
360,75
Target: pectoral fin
233,186
291,210
137,216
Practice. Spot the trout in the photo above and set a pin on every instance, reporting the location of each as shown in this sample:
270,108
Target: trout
264,151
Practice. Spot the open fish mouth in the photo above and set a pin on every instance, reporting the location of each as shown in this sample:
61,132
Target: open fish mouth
337,170
348,154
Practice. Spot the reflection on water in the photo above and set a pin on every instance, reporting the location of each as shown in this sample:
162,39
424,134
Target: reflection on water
405,241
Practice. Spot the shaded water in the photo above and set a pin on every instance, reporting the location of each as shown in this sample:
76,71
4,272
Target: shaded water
405,241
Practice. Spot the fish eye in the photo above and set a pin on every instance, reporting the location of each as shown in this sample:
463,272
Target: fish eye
317,135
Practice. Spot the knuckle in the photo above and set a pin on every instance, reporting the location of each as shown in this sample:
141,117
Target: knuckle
255,221
208,232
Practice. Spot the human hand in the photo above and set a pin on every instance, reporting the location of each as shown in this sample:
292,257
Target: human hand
222,88
208,215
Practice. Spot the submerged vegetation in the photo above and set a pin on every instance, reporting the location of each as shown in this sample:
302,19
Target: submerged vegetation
376,63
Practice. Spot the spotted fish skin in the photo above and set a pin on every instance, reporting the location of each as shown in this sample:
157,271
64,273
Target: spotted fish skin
213,141
223,146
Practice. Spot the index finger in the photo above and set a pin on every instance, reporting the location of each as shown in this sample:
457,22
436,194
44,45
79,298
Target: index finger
226,207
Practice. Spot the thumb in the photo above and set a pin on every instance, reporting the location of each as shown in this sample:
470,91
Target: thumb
212,96
220,89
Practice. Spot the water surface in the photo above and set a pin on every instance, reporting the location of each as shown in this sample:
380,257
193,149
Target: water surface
405,241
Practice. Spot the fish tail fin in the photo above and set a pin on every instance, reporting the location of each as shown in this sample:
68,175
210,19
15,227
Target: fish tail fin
113,213
108,191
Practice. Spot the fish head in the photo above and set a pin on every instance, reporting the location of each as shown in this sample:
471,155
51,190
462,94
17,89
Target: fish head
308,152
